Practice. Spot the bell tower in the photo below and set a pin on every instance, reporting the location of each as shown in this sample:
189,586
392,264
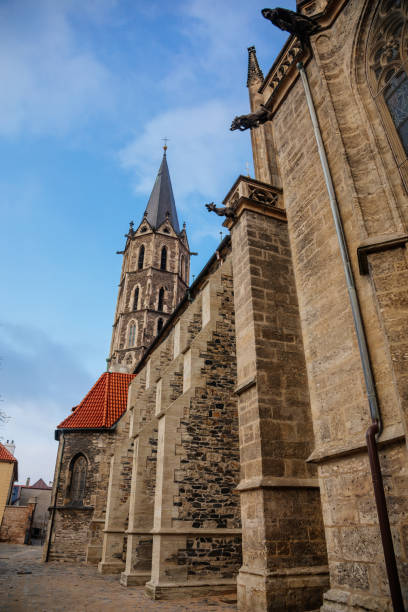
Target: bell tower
154,277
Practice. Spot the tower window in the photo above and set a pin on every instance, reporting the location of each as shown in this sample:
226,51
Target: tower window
159,325
160,300
163,259
141,257
78,480
182,267
132,335
136,299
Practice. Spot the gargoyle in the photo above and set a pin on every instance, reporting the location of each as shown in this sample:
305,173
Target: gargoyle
299,25
221,211
253,120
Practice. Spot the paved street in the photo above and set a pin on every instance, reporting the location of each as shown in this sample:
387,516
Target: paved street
26,584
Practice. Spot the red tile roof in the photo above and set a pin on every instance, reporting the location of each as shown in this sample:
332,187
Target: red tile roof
5,455
103,405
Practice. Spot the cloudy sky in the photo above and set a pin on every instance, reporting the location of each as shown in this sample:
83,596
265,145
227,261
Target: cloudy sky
88,90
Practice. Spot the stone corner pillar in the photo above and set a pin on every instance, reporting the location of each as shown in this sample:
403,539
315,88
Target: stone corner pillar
284,553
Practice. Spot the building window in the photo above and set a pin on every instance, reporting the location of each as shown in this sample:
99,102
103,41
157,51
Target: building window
386,67
163,259
160,300
78,480
136,299
159,325
141,257
182,267
132,335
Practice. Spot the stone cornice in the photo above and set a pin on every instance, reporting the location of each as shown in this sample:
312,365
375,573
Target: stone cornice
251,194
276,482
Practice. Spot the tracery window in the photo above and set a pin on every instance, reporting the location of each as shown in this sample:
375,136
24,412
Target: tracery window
141,257
387,73
132,334
163,259
136,299
78,480
160,300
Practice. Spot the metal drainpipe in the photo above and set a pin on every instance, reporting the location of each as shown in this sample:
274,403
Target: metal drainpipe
376,427
55,500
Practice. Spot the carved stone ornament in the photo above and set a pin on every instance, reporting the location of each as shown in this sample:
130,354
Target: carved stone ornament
252,120
262,196
289,21
221,211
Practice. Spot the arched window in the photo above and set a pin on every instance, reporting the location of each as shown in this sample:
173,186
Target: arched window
132,334
136,299
79,468
160,300
386,66
159,325
163,259
140,261
182,267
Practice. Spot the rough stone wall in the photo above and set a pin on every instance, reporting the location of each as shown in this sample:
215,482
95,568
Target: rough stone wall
6,482
373,207
77,528
182,411
16,524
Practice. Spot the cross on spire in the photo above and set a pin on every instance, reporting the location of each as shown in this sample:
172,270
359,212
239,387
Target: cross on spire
165,140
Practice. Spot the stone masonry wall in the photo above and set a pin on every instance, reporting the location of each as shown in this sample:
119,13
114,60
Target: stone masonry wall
16,524
73,529
373,207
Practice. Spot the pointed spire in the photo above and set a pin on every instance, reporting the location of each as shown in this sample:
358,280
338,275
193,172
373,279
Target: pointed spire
254,72
161,205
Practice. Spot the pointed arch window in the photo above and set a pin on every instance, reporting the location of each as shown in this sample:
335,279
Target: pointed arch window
159,325
79,468
182,267
132,334
387,74
160,300
140,261
163,259
136,299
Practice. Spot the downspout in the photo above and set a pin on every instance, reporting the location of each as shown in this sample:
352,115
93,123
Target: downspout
376,427
54,501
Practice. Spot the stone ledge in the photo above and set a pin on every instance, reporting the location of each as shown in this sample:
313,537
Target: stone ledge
377,245
191,531
290,571
174,590
245,385
272,482
390,434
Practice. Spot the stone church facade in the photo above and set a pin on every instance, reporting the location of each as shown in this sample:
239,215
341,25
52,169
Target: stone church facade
243,454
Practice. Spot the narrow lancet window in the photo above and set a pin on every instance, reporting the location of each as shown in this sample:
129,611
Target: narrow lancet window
136,299
159,325
78,480
132,335
163,259
160,300
141,257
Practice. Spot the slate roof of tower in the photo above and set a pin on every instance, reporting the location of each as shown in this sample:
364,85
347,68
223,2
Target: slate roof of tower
5,455
161,199
103,405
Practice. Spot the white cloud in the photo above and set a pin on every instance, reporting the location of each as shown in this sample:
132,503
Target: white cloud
48,80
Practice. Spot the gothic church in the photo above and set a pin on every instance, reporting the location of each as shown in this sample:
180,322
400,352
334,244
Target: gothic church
249,434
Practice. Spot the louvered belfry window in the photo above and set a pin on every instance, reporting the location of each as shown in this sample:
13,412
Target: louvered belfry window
78,480
141,257
163,259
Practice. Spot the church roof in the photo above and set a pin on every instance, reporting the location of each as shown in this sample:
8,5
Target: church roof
40,484
103,405
5,455
161,201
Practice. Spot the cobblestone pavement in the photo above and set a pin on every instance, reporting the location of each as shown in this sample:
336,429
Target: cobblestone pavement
27,584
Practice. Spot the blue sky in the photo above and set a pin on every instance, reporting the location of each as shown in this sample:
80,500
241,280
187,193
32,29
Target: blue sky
88,91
